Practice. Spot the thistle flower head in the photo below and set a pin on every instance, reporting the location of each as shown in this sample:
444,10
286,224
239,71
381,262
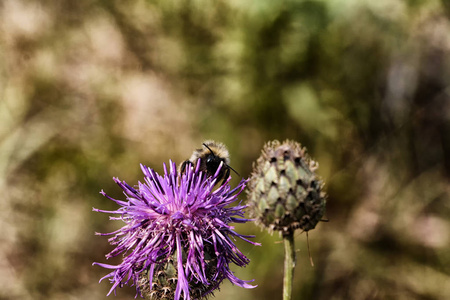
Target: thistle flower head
177,240
284,191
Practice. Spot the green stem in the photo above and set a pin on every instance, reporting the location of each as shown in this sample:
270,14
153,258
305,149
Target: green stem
289,265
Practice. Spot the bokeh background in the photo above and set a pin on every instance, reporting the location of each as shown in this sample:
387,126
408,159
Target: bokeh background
90,89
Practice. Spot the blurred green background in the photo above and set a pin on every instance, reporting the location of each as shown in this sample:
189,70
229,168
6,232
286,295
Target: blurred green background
90,89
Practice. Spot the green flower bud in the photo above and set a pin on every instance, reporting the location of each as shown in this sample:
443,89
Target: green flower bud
284,191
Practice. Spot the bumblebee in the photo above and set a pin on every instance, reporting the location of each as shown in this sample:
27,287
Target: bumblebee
210,155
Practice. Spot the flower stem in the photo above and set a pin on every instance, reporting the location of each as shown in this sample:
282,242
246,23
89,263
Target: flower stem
289,265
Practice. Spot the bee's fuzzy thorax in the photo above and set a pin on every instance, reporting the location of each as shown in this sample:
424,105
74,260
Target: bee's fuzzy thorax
217,148
209,157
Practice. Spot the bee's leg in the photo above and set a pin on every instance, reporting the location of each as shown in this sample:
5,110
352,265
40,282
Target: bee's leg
184,165
227,174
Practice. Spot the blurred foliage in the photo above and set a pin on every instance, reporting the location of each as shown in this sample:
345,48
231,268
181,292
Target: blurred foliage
90,89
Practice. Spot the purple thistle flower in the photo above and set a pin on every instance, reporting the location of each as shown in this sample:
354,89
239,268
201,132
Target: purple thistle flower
176,234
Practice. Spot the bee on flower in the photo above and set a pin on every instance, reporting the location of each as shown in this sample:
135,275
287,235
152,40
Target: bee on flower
177,238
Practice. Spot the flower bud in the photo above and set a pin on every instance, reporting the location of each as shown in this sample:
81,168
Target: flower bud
284,191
